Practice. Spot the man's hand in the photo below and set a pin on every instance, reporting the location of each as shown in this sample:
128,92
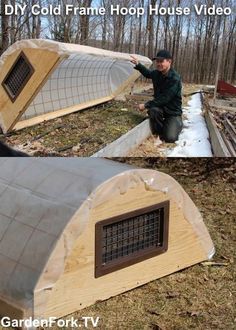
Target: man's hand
134,60
141,107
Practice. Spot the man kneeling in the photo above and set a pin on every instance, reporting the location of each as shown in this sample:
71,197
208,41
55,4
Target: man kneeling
165,110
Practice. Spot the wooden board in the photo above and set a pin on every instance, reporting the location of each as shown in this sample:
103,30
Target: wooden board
59,113
123,146
44,62
222,106
78,288
218,145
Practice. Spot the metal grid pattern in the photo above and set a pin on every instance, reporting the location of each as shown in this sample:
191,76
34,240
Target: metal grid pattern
77,80
18,77
32,215
132,237
38,199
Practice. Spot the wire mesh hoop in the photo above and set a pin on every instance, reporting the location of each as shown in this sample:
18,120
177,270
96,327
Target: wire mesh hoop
18,76
129,238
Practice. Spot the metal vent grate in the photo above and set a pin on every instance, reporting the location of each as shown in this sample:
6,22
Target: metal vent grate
130,238
18,77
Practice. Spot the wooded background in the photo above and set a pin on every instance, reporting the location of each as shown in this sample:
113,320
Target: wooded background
196,42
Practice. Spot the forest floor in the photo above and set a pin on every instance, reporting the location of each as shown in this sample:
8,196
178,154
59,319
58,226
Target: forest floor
201,296
85,132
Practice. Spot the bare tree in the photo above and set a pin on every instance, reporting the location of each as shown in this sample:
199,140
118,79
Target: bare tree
5,28
84,22
195,41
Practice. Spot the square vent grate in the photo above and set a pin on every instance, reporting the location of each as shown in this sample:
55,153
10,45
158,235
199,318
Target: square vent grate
132,237
18,76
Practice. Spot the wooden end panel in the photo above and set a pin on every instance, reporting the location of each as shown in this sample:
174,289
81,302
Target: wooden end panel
42,63
78,287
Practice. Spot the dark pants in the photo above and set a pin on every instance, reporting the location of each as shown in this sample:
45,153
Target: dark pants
167,127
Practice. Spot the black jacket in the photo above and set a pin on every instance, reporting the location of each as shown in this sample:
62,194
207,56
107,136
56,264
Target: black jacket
167,90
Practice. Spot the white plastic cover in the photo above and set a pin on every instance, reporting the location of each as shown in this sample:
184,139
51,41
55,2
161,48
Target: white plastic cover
86,74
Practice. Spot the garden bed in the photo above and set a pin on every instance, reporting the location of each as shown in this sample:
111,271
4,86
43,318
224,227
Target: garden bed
78,134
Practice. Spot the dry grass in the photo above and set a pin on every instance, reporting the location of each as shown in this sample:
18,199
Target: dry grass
188,89
151,148
78,134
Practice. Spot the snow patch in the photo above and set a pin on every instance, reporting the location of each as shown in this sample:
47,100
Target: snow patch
194,138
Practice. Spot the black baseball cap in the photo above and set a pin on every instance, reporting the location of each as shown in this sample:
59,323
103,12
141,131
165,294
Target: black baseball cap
163,54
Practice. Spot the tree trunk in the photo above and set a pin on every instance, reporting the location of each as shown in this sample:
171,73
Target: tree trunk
84,23
4,27
150,29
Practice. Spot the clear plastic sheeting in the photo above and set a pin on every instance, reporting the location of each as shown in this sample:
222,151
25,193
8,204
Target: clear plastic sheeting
77,80
63,48
83,76
48,204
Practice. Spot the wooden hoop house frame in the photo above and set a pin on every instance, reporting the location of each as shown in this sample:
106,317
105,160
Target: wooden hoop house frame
64,227
42,79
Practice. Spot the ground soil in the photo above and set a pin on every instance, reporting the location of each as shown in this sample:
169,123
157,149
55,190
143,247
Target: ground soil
88,131
78,134
83,133
202,296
